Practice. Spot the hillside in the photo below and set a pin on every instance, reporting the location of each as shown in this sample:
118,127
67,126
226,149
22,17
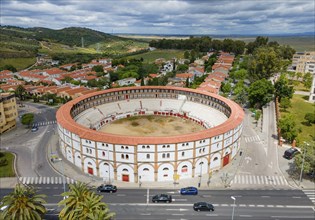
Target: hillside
19,42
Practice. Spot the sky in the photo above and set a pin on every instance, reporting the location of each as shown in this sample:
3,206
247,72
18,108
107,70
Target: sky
177,17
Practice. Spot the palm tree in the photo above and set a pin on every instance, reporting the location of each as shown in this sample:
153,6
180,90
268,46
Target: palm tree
23,203
81,203
94,209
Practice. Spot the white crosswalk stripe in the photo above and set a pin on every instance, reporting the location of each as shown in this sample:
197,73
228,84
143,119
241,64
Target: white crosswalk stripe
259,180
43,123
252,139
45,180
310,193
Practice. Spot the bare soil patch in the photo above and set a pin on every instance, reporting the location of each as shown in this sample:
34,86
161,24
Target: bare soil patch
151,125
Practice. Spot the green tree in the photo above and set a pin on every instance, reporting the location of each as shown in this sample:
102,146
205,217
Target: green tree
9,67
307,80
257,115
240,74
285,103
226,87
310,118
20,92
186,54
289,129
309,160
182,68
81,203
27,119
187,84
98,69
142,82
283,89
260,93
23,203
299,75
263,64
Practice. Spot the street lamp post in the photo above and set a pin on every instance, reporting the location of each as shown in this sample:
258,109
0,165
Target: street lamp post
63,176
200,176
232,197
303,162
108,166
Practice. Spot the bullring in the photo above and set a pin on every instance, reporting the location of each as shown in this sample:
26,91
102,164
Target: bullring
133,158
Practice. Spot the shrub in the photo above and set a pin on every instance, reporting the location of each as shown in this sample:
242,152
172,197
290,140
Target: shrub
3,162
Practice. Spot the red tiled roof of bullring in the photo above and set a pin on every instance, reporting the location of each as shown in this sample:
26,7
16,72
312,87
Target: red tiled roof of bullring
65,120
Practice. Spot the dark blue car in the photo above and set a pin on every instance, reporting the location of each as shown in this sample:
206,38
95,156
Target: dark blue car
189,191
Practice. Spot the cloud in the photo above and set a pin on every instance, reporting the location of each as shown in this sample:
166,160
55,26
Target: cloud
164,16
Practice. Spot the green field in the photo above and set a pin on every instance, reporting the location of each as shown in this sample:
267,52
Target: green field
151,56
18,63
7,171
52,48
299,108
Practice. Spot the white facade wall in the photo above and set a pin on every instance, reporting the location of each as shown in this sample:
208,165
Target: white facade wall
149,162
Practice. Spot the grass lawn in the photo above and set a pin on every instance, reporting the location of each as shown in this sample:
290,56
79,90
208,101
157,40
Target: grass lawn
151,56
7,171
299,108
18,63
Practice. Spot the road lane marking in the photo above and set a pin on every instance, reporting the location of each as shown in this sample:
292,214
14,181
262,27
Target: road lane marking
294,217
212,215
179,199
145,214
248,216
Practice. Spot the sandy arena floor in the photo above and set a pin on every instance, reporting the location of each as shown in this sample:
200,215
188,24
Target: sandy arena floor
152,126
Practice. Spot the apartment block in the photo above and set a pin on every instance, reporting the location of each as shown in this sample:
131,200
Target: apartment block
304,62
8,112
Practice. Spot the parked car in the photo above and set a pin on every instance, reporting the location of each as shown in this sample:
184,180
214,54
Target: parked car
162,198
189,191
203,206
107,188
290,153
55,158
34,128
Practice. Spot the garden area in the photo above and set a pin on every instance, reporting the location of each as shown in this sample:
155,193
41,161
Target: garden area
6,164
299,108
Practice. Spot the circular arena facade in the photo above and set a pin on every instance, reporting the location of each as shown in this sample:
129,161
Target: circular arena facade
135,158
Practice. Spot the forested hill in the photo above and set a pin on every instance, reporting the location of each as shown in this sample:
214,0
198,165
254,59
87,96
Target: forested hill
69,36
24,42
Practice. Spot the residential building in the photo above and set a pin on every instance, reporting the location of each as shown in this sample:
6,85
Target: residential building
126,81
303,62
8,112
312,92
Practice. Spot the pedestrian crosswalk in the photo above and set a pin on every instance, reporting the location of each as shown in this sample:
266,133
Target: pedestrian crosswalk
310,193
46,180
259,180
43,123
252,139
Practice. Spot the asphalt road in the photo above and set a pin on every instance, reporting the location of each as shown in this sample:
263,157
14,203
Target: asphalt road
249,204
30,147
